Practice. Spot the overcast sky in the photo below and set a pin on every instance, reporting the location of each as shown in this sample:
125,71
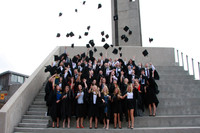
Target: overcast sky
28,28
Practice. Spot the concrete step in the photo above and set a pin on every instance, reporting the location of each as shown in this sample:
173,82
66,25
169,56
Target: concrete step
169,68
168,102
35,117
44,121
39,99
177,110
174,77
37,109
39,103
37,106
123,130
179,95
35,112
175,82
41,94
33,125
177,87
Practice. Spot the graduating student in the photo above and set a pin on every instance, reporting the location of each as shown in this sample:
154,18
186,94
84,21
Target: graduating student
116,100
106,98
131,101
151,97
94,97
66,106
55,111
80,106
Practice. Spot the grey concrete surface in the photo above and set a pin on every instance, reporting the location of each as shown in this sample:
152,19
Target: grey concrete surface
12,111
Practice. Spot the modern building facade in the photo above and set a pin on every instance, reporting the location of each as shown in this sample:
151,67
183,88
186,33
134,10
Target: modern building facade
9,83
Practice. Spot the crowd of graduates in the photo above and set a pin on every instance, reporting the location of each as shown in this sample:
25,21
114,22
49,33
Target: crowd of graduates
102,90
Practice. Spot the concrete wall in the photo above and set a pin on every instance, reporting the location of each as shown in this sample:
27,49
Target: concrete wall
128,15
158,56
17,105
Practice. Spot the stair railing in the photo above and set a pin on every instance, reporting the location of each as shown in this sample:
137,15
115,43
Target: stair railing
191,71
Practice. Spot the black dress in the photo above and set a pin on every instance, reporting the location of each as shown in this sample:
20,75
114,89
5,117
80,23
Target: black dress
151,96
116,104
93,108
66,105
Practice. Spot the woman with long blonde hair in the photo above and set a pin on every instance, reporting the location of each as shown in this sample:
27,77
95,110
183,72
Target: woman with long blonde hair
106,110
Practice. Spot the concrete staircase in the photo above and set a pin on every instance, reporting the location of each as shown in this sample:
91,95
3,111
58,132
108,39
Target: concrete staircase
177,112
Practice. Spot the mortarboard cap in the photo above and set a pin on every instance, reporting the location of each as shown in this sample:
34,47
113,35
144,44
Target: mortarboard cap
67,35
115,17
103,40
130,32
91,42
111,45
79,37
86,33
99,6
120,54
145,52
95,49
150,40
87,45
58,35
126,28
126,39
122,37
74,59
101,54
107,36
60,14
106,46
102,33
120,48
71,34
72,46
83,55
76,10
84,2
91,53
88,28
115,51
56,58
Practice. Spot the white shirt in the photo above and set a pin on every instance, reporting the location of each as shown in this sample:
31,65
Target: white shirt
129,95
94,98
80,98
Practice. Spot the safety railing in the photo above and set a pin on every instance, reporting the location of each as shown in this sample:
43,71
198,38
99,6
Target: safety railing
188,64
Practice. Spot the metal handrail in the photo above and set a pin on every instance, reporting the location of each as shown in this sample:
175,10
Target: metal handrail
187,61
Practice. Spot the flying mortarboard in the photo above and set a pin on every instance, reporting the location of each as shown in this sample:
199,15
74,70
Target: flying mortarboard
102,33
58,35
67,35
145,53
123,37
79,37
71,34
150,40
106,46
130,32
84,2
115,51
56,58
95,49
111,45
88,28
87,45
60,14
107,36
126,28
115,17
91,42
72,46
99,6
120,48
86,33
76,10
101,54
103,40
126,39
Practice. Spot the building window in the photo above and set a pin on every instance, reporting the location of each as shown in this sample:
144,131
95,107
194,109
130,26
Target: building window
17,79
